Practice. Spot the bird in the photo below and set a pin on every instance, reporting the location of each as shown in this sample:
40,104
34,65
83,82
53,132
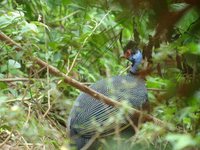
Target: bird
90,117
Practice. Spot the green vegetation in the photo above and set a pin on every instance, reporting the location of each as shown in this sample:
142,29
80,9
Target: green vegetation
84,39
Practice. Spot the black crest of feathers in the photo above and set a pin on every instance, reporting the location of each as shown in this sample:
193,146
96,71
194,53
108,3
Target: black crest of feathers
132,45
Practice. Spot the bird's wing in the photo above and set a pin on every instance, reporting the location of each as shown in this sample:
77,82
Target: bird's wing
90,115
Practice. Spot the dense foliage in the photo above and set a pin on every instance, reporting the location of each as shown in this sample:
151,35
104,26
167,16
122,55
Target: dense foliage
84,39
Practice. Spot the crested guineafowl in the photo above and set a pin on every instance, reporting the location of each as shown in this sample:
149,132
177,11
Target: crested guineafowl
90,117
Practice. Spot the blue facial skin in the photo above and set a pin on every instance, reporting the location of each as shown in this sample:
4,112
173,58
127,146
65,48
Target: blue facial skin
136,59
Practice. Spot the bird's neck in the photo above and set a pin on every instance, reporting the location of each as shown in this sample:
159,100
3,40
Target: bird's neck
136,60
133,69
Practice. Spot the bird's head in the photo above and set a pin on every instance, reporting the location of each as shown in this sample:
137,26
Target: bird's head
133,54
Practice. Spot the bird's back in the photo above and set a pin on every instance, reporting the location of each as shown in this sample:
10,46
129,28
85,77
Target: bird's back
89,116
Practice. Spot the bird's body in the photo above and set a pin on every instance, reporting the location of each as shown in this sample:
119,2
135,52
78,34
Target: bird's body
90,116
88,113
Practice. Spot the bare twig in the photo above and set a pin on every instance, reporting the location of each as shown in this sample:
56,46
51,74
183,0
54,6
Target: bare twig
97,25
135,128
125,70
6,140
18,99
18,79
90,142
157,90
9,41
29,113
66,17
25,142
14,79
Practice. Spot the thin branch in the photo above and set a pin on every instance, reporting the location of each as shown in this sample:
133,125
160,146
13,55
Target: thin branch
66,17
135,128
6,140
29,114
97,25
23,139
125,70
9,41
157,90
90,142
14,79
17,79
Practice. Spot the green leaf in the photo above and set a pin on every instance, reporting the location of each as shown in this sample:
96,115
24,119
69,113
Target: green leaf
189,18
29,27
13,64
180,141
